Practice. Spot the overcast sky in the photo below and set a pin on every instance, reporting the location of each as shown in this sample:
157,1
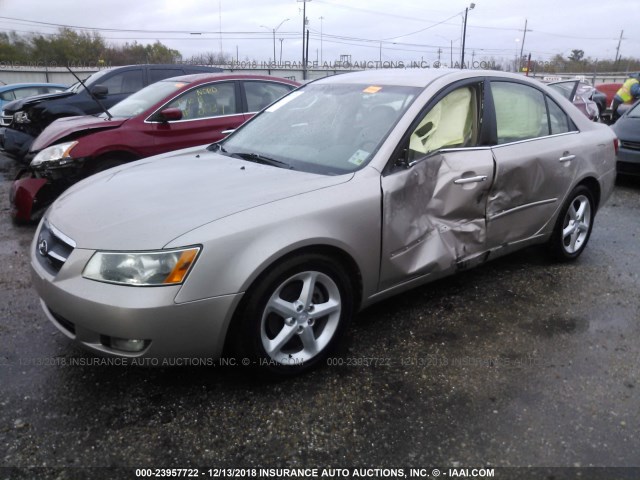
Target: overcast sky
356,27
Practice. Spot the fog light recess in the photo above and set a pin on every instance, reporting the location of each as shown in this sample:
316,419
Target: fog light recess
128,344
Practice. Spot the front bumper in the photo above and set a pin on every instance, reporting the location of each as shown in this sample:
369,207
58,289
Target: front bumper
93,314
628,162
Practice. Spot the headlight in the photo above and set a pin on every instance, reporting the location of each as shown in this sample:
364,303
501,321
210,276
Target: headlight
168,267
57,155
21,117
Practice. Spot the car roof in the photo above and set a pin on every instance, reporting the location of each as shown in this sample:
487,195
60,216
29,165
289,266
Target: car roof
415,77
205,77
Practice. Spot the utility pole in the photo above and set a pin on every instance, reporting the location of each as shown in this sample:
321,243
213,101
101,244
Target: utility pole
618,51
281,40
439,52
451,64
473,56
321,19
304,28
524,35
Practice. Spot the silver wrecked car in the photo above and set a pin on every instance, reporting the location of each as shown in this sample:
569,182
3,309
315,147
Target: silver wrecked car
347,191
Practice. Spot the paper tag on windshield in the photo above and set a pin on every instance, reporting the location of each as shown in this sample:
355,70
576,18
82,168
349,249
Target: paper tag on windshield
372,89
358,157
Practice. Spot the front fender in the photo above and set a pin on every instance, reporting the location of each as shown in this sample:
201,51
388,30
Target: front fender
238,248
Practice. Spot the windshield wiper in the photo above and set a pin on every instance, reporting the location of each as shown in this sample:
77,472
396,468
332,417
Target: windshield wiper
257,158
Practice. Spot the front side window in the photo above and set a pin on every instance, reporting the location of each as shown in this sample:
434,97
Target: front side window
521,112
452,122
206,101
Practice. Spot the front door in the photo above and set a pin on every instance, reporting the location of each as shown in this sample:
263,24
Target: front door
434,209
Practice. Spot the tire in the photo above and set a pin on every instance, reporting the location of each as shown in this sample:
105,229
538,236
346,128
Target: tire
574,224
295,315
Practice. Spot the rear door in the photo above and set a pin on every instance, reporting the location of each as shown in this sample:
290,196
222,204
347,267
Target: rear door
208,112
537,158
434,207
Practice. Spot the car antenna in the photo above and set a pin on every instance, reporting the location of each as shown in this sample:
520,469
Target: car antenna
104,109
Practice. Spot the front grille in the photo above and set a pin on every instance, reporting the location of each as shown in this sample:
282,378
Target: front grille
53,248
6,120
630,145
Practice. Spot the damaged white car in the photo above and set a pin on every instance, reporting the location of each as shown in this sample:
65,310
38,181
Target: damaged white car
348,190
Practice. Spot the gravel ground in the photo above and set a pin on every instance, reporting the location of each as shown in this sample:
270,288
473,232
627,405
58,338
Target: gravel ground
520,362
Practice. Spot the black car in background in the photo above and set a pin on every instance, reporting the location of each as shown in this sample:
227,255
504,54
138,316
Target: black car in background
627,128
24,119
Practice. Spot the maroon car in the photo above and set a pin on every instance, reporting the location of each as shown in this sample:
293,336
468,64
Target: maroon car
176,113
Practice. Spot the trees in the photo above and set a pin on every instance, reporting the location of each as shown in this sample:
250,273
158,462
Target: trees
71,47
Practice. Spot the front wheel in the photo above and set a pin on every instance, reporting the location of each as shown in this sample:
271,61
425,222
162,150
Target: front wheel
574,224
296,314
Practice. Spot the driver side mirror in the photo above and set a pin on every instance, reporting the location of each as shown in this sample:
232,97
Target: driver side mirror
100,91
169,115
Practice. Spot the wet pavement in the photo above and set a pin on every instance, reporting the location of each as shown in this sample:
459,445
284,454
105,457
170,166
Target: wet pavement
519,362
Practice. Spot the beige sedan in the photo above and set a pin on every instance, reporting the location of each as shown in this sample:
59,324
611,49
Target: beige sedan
346,191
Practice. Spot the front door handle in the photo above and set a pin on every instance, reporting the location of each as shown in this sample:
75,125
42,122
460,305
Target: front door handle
227,132
566,158
462,181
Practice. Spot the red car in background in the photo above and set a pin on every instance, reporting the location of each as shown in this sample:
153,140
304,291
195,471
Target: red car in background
176,113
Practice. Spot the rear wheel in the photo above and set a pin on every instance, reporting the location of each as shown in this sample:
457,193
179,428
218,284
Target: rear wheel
296,314
574,224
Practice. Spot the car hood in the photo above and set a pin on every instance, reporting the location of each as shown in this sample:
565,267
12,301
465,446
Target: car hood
63,127
627,128
146,204
17,105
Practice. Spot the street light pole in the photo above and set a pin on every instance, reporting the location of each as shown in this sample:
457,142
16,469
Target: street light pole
274,30
464,31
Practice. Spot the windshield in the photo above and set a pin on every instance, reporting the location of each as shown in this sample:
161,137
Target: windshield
144,99
635,111
323,128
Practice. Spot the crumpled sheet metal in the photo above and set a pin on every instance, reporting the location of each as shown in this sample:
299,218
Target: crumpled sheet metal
430,223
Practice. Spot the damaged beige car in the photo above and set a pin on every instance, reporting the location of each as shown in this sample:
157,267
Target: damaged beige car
348,190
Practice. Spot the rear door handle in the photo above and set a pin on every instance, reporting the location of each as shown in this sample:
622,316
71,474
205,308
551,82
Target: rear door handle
462,181
567,158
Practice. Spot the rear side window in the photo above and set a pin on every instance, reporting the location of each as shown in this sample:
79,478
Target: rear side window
521,112
157,74
560,122
261,94
125,82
